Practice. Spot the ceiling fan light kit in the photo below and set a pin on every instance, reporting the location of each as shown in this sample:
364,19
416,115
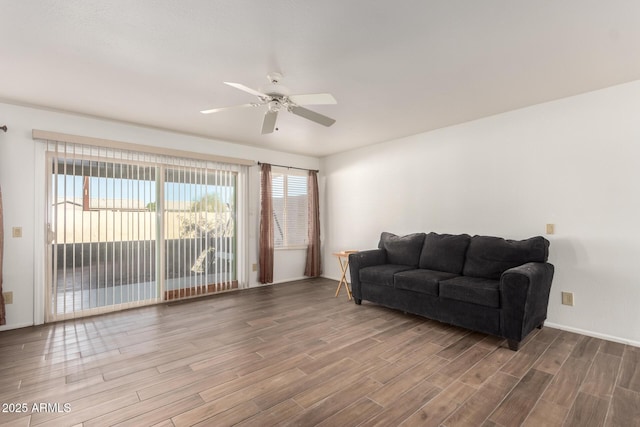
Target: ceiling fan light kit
277,97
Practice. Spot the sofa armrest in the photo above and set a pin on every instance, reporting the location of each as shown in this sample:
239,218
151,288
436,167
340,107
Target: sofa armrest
360,260
524,296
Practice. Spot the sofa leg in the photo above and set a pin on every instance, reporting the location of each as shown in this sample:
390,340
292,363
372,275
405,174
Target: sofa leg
540,325
358,301
513,345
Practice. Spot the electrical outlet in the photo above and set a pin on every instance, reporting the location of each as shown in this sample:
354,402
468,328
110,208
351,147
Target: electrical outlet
8,297
551,228
567,298
254,267
17,232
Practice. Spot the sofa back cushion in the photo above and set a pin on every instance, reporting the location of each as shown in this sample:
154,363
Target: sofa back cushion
402,250
444,252
489,257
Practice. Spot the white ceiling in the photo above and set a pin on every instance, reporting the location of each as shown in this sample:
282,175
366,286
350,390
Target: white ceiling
396,67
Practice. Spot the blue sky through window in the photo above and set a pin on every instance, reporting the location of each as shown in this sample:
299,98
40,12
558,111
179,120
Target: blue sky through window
70,186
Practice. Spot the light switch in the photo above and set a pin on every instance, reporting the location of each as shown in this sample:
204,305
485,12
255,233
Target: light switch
551,228
17,232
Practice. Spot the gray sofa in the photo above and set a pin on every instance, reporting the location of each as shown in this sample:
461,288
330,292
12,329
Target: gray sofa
486,284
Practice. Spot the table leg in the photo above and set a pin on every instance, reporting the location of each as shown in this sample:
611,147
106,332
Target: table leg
343,279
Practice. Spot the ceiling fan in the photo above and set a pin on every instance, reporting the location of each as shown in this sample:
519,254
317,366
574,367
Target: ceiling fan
277,98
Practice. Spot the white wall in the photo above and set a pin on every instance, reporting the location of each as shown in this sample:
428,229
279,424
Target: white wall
574,162
20,179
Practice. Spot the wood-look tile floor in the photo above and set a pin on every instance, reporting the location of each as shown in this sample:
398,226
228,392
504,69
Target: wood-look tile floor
292,354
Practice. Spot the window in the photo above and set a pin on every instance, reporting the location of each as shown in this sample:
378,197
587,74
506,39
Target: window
290,213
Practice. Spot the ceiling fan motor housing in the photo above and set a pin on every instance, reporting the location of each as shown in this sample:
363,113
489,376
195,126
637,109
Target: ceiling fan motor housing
275,105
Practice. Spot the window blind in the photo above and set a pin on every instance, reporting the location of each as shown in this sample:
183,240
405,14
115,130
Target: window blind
290,208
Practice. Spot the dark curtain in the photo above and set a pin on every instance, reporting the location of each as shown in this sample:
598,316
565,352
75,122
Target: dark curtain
3,314
265,256
313,267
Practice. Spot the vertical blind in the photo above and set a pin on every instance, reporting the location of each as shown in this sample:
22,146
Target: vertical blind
129,228
290,208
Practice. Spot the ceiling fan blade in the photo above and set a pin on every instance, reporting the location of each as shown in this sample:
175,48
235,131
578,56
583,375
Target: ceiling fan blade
313,99
269,123
215,110
312,115
246,89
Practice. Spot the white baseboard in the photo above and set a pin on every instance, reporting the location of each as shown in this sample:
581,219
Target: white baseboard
292,279
15,326
569,329
547,323
593,334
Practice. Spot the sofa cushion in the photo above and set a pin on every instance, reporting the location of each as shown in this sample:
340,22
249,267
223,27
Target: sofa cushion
489,257
485,292
381,274
402,250
422,281
444,252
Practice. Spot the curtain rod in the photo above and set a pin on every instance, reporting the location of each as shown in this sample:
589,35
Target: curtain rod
107,143
289,167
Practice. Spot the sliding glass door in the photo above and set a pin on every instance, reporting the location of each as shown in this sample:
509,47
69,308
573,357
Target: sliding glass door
102,235
199,230
126,230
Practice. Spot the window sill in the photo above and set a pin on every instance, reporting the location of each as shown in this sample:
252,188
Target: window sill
292,248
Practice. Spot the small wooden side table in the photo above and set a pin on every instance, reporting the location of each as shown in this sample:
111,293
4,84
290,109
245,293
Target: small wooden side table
343,260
